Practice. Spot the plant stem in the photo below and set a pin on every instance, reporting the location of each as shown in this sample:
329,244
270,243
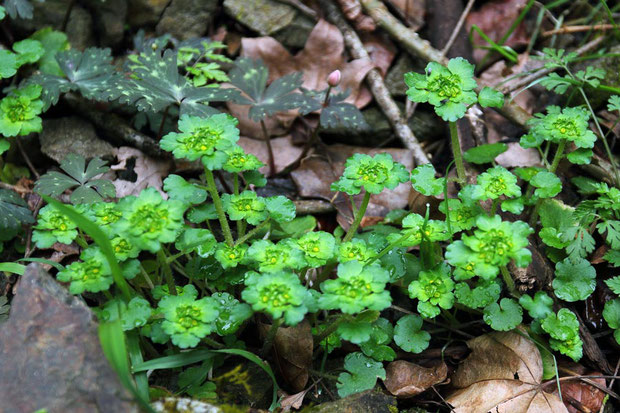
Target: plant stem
330,329
494,206
253,231
240,223
217,202
559,153
163,261
267,139
456,152
212,343
270,336
388,248
358,218
509,282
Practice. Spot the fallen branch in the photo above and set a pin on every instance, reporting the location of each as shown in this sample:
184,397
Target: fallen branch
375,83
577,29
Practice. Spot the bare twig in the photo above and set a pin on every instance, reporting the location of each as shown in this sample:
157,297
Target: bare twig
301,7
457,28
577,29
27,158
376,84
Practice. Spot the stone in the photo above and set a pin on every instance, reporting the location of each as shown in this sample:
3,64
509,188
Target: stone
145,12
262,16
186,19
51,356
184,405
109,18
80,29
368,402
63,136
296,33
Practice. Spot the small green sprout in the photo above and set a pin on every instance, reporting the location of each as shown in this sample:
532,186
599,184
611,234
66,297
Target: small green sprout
449,89
103,214
318,248
19,111
91,274
611,314
230,256
409,336
575,279
239,161
434,289
495,182
538,307
186,319
134,314
503,316
149,220
417,228
53,226
485,292
355,250
247,206
462,216
203,138
123,248
358,287
372,173
272,257
232,313
560,125
280,294
564,331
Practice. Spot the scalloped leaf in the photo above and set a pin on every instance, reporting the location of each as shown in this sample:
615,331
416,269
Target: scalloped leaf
13,211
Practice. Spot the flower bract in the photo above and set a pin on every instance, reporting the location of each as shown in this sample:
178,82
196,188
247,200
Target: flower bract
372,173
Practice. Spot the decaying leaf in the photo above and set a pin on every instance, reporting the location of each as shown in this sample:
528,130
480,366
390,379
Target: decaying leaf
502,375
293,351
352,10
136,171
405,379
293,401
283,148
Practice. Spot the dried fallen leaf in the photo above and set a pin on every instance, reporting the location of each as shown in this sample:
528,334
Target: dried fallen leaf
137,171
285,152
352,10
293,351
502,375
293,401
405,379
586,395
413,12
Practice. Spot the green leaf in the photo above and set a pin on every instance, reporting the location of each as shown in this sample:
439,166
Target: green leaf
504,316
489,97
18,8
377,347
53,42
613,257
28,51
614,284
614,103
12,268
355,331
547,183
8,64
574,279
611,230
611,313
580,156
281,209
538,307
13,211
409,336
178,188
424,181
193,238
485,153
562,326
362,374
4,145
581,243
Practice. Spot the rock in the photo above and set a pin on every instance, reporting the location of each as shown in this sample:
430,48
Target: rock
184,405
63,136
186,19
243,383
296,33
109,17
145,12
51,356
80,30
395,79
368,402
262,16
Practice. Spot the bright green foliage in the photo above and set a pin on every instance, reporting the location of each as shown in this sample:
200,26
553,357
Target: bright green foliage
239,161
538,307
232,313
104,214
186,319
462,216
280,208
332,341
355,250
53,41
573,347
484,153
614,284
230,257
52,226
80,178
91,274
359,330
124,248
377,347
490,97
149,220
362,373
134,314
424,181
279,294
358,287
547,184
28,51
611,313
483,294
207,139
178,188
568,125
614,103
318,247
503,316
202,72
247,206
449,89
564,331
271,257
372,173
574,279
611,230
199,239
19,112
417,229
495,182
409,336
435,288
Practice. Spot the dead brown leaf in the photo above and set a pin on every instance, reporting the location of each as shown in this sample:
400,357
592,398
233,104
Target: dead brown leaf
322,54
412,11
405,379
293,350
583,394
502,375
352,10
293,401
147,171
285,153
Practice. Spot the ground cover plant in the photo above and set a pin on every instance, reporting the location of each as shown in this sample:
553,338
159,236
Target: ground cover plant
490,273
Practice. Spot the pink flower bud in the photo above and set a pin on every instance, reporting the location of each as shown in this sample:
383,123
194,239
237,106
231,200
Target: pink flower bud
334,78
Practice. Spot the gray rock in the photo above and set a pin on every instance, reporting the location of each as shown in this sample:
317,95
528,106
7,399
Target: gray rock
145,12
51,356
296,33
184,405
262,16
80,30
395,79
109,21
185,19
63,136
368,402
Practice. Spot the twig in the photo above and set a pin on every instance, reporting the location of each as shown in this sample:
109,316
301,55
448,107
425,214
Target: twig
611,385
457,28
577,29
376,84
27,158
19,190
301,7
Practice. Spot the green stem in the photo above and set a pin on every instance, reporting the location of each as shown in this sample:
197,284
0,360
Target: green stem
217,202
358,218
456,152
388,249
509,282
494,206
559,154
212,343
253,231
163,261
267,139
271,334
330,329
